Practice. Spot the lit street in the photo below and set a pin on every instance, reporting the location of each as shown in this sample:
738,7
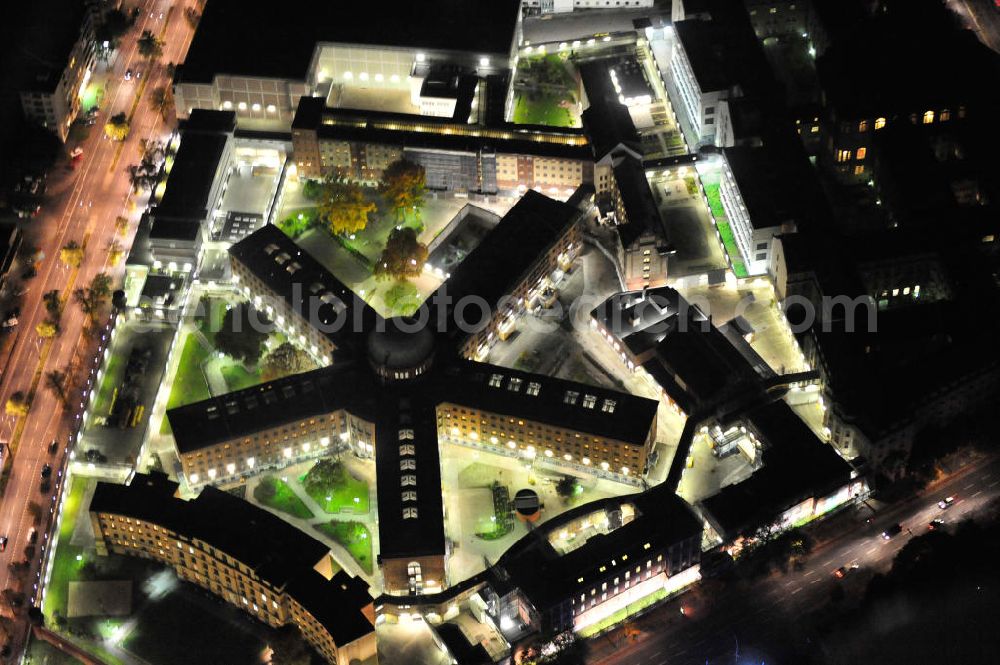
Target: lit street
761,611
82,206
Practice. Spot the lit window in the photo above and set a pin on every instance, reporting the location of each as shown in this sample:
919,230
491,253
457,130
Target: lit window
407,465
409,495
409,513
408,480
859,169
861,154
407,449
405,434
863,126
570,397
928,117
495,380
879,123
608,406
589,401
515,384
945,115
843,155
533,388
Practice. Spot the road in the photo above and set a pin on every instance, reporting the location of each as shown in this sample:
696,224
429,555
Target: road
82,205
743,616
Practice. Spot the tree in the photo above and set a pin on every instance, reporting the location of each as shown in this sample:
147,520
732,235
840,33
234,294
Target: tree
121,225
288,647
325,474
18,404
57,381
146,173
404,185
162,101
35,510
53,304
284,360
312,189
47,329
115,252
344,208
71,254
91,297
150,47
566,487
114,24
404,256
117,127
242,334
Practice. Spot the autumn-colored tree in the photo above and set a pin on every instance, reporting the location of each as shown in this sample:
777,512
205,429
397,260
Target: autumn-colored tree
17,404
117,127
47,329
121,225
404,185
404,256
71,254
115,252
344,207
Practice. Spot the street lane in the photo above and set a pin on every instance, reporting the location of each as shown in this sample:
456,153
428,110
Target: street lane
744,614
83,209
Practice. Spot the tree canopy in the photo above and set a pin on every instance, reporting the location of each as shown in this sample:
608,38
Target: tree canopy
404,256
71,254
242,334
150,46
284,360
343,207
117,127
404,185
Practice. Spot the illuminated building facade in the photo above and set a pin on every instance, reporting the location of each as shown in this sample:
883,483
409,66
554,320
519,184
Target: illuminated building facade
244,555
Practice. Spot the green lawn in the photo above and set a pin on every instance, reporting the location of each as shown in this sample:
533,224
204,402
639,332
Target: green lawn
65,566
298,221
712,193
402,298
189,384
355,538
238,378
543,110
337,491
275,493
112,379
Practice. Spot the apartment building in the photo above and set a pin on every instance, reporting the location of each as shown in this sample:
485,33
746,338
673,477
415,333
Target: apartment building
51,93
244,555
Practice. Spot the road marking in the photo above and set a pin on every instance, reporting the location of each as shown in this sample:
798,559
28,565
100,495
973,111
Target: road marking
872,550
828,563
815,582
796,591
969,486
977,494
811,572
994,483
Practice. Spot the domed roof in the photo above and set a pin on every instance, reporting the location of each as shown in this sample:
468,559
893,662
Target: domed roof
405,343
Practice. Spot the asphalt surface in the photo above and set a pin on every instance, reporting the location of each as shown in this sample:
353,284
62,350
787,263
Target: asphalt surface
745,616
81,205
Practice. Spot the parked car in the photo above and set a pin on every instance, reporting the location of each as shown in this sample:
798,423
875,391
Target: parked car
892,531
3,543
46,471
53,446
128,74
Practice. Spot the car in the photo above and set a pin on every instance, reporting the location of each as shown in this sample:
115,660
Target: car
138,75
45,486
128,74
892,531
10,318
946,502
3,543
76,153
32,536
53,446
840,573
935,525
46,471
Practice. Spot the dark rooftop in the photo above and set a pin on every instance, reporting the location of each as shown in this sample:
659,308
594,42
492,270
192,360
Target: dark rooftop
271,404
614,414
191,176
797,466
292,273
277,552
767,186
51,28
637,199
232,32
528,229
175,229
